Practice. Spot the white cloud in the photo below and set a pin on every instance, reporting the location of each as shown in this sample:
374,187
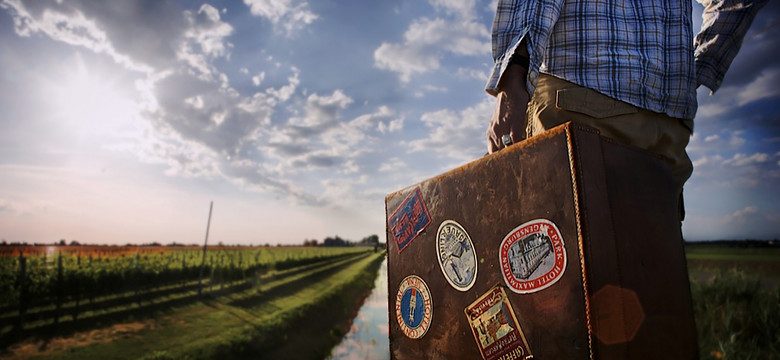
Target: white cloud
68,25
742,215
317,139
204,40
393,164
743,160
456,135
736,140
258,79
392,126
283,14
701,162
763,87
468,73
461,8
285,92
375,121
405,59
426,41
732,97
712,138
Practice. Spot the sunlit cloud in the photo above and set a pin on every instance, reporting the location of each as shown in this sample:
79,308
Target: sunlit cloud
426,41
740,159
458,135
740,216
462,8
285,15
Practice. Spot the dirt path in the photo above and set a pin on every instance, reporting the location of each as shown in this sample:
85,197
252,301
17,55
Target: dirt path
32,348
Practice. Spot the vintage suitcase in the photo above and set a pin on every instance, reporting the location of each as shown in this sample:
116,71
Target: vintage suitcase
564,246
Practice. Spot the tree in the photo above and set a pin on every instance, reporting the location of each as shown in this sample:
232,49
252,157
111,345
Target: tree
335,241
370,240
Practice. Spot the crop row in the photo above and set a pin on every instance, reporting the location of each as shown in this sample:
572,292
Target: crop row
50,280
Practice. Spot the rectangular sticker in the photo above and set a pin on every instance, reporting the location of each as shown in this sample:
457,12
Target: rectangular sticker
409,220
495,327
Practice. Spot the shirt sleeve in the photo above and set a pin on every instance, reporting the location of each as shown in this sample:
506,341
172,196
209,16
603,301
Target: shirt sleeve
724,25
516,20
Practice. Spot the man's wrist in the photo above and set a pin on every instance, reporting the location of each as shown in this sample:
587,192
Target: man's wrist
519,59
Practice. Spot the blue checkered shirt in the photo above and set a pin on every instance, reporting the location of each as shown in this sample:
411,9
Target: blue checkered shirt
638,51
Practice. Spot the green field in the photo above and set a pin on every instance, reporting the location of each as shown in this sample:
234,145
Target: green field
294,303
736,300
297,305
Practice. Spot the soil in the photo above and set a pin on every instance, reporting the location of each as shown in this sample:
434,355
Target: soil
46,347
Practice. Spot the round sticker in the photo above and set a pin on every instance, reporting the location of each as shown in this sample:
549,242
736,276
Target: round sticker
532,256
413,307
457,258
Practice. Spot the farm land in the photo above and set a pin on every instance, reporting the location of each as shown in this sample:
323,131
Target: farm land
143,302
736,298
102,302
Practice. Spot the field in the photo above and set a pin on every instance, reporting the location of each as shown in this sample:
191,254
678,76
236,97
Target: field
146,304
291,302
736,300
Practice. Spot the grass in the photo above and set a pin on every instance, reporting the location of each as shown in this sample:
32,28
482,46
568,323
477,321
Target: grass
291,314
736,302
259,320
725,253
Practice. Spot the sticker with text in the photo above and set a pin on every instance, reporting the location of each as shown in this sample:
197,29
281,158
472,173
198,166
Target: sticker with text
413,307
495,327
532,256
457,258
409,220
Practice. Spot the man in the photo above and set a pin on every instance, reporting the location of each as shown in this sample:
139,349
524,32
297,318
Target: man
629,68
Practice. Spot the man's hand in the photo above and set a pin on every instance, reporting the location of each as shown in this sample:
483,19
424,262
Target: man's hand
509,117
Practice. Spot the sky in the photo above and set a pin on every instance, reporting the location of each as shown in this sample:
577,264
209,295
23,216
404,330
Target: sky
121,120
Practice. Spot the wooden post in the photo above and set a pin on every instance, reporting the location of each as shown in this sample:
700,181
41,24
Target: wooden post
59,289
205,245
22,281
138,282
91,283
78,288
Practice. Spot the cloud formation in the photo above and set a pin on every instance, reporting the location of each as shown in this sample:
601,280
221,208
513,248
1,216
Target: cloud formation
456,135
427,40
199,124
283,14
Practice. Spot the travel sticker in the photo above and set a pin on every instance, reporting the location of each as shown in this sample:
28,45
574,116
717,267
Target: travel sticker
495,327
532,256
409,220
457,258
413,307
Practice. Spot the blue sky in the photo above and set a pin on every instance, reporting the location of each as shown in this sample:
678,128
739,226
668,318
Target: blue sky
121,120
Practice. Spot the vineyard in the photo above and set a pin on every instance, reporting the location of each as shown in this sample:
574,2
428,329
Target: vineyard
61,290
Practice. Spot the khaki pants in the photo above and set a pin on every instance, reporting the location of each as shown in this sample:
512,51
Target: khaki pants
557,101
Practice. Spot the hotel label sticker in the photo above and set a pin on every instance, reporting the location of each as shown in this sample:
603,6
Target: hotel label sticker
532,256
495,327
413,307
457,258
409,220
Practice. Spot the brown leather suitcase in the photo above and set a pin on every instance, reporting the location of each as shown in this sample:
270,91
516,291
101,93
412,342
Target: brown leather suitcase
564,246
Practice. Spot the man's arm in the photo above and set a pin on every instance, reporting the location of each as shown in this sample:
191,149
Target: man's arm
724,25
520,27
509,116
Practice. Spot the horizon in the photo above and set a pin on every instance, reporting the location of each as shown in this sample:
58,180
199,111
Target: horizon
122,121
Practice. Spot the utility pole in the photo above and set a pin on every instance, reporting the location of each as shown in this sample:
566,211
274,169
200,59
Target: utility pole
205,244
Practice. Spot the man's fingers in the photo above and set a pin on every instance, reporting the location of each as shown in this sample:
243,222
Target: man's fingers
492,140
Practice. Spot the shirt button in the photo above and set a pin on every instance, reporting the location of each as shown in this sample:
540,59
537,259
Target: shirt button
533,76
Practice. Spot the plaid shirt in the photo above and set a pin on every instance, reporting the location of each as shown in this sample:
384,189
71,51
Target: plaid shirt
640,52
